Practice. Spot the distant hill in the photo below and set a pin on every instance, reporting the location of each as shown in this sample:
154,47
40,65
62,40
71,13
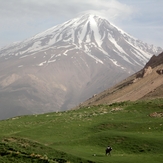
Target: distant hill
145,84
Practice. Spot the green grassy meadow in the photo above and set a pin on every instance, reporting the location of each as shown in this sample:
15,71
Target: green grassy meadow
133,129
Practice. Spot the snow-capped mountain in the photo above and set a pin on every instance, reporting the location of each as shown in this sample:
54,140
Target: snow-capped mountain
86,33
66,64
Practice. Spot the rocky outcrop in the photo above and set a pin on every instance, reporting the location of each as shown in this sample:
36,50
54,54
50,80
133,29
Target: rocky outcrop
156,114
147,71
155,61
143,73
160,71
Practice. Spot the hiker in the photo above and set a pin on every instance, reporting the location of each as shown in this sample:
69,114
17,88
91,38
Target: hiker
108,149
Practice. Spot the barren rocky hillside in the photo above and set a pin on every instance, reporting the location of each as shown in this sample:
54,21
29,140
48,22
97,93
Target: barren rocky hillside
145,84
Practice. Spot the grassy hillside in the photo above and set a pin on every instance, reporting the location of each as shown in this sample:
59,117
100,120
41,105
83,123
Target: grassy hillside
133,129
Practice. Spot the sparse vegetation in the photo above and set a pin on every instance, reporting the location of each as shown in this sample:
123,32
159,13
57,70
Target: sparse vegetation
82,135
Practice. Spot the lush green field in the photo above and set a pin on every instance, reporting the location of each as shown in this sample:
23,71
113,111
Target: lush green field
133,129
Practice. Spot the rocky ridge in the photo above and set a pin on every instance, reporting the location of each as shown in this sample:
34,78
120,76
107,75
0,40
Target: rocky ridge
145,84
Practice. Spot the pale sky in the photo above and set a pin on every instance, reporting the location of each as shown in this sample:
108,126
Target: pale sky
22,19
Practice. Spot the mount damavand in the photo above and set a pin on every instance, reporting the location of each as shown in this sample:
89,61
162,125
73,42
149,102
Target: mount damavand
63,66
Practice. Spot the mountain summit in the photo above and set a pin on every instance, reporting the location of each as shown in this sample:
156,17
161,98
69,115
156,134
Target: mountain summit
65,65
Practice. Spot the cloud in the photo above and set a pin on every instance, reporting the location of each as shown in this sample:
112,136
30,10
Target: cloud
31,9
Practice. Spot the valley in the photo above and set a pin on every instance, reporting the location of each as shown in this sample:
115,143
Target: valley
133,129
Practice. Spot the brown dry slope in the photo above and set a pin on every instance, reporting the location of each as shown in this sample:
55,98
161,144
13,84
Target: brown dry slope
145,84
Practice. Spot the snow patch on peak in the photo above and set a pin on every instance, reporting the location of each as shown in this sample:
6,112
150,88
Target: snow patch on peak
94,27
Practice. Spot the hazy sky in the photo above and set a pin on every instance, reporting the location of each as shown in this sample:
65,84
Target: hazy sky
21,19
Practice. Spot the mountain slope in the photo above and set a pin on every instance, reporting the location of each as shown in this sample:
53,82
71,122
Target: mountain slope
145,84
65,65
